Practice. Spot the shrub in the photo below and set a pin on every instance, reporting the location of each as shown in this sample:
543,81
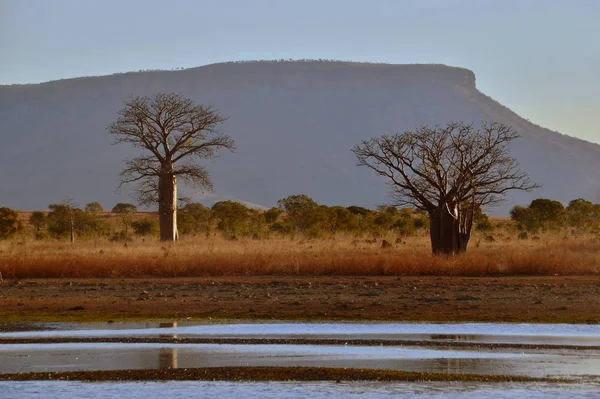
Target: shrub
193,219
9,223
126,213
236,219
37,220
145,226
94,207
62,216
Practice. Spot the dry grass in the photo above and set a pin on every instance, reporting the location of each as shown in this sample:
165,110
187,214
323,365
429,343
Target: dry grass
552,255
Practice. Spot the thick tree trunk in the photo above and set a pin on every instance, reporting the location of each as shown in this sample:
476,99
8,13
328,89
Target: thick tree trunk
167,208
448,234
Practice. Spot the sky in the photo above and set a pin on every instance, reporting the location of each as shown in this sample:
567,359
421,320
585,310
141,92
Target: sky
541,58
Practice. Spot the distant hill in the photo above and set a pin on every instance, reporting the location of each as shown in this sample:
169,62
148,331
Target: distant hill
293,122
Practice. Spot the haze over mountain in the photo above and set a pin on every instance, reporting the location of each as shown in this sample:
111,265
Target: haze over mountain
294,124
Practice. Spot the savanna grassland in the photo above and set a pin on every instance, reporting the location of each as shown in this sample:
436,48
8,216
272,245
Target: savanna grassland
339,255
553,278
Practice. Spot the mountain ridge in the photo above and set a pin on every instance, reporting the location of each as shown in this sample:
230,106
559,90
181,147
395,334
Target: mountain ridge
294,123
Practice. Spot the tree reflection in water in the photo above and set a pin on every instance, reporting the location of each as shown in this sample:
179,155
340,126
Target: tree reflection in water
167,357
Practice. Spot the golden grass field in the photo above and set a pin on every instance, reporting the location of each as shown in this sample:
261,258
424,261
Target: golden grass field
338,256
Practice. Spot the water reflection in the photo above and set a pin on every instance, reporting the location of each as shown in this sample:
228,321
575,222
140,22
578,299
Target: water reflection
477,366
62,357
167,358
453,366
452,337
428,356
530,334
172,324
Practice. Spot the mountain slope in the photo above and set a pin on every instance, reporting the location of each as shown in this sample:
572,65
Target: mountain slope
293,122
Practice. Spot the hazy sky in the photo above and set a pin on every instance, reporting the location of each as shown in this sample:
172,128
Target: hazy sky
541,58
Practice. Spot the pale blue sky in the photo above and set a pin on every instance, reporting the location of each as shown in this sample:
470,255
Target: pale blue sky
539,57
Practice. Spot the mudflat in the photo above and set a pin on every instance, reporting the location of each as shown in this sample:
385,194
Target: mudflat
556,299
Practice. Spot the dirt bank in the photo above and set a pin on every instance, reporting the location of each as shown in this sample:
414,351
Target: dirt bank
263,374
498,299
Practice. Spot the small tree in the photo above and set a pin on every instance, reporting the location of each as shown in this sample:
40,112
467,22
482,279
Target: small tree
234,218
37,220
541,214
358,210
549,213
9,223
62,218
145,226
194,218
272,214
126,213
342,220
582,214
301,210
172,132
448,172
524,218
94,208
482,221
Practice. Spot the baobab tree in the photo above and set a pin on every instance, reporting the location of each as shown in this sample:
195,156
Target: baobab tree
449,172
172,133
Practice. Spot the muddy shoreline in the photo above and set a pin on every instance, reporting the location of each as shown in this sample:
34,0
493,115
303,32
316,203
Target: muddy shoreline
264,374
535,299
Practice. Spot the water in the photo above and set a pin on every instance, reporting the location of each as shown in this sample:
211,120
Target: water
314,390
561,356
533,334
105,356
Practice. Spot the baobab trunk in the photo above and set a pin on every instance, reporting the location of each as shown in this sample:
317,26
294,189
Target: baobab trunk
448,235
167,208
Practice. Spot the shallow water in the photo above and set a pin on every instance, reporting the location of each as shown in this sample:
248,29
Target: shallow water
534,334
314,390
75,356
525,361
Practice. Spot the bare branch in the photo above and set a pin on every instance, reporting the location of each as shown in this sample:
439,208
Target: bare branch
451,165
170,131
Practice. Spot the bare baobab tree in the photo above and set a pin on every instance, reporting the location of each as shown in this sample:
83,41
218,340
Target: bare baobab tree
449,172
172,133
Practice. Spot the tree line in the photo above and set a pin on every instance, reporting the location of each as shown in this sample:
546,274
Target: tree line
66,221
295,215
544,214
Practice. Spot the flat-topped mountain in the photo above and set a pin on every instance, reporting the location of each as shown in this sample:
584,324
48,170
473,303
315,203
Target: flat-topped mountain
293,122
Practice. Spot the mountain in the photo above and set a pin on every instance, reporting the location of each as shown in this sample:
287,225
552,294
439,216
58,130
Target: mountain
293,122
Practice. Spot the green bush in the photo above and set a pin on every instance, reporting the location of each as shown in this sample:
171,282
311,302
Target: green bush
9,223
86,225
38,221
145,227
94,207
236,219
194,219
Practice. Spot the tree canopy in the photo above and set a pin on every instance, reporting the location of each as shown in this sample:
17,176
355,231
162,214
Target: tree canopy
448,172
172,134
9,223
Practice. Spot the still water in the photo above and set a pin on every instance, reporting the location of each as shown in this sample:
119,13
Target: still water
293,390
569,351
110,356
559,334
